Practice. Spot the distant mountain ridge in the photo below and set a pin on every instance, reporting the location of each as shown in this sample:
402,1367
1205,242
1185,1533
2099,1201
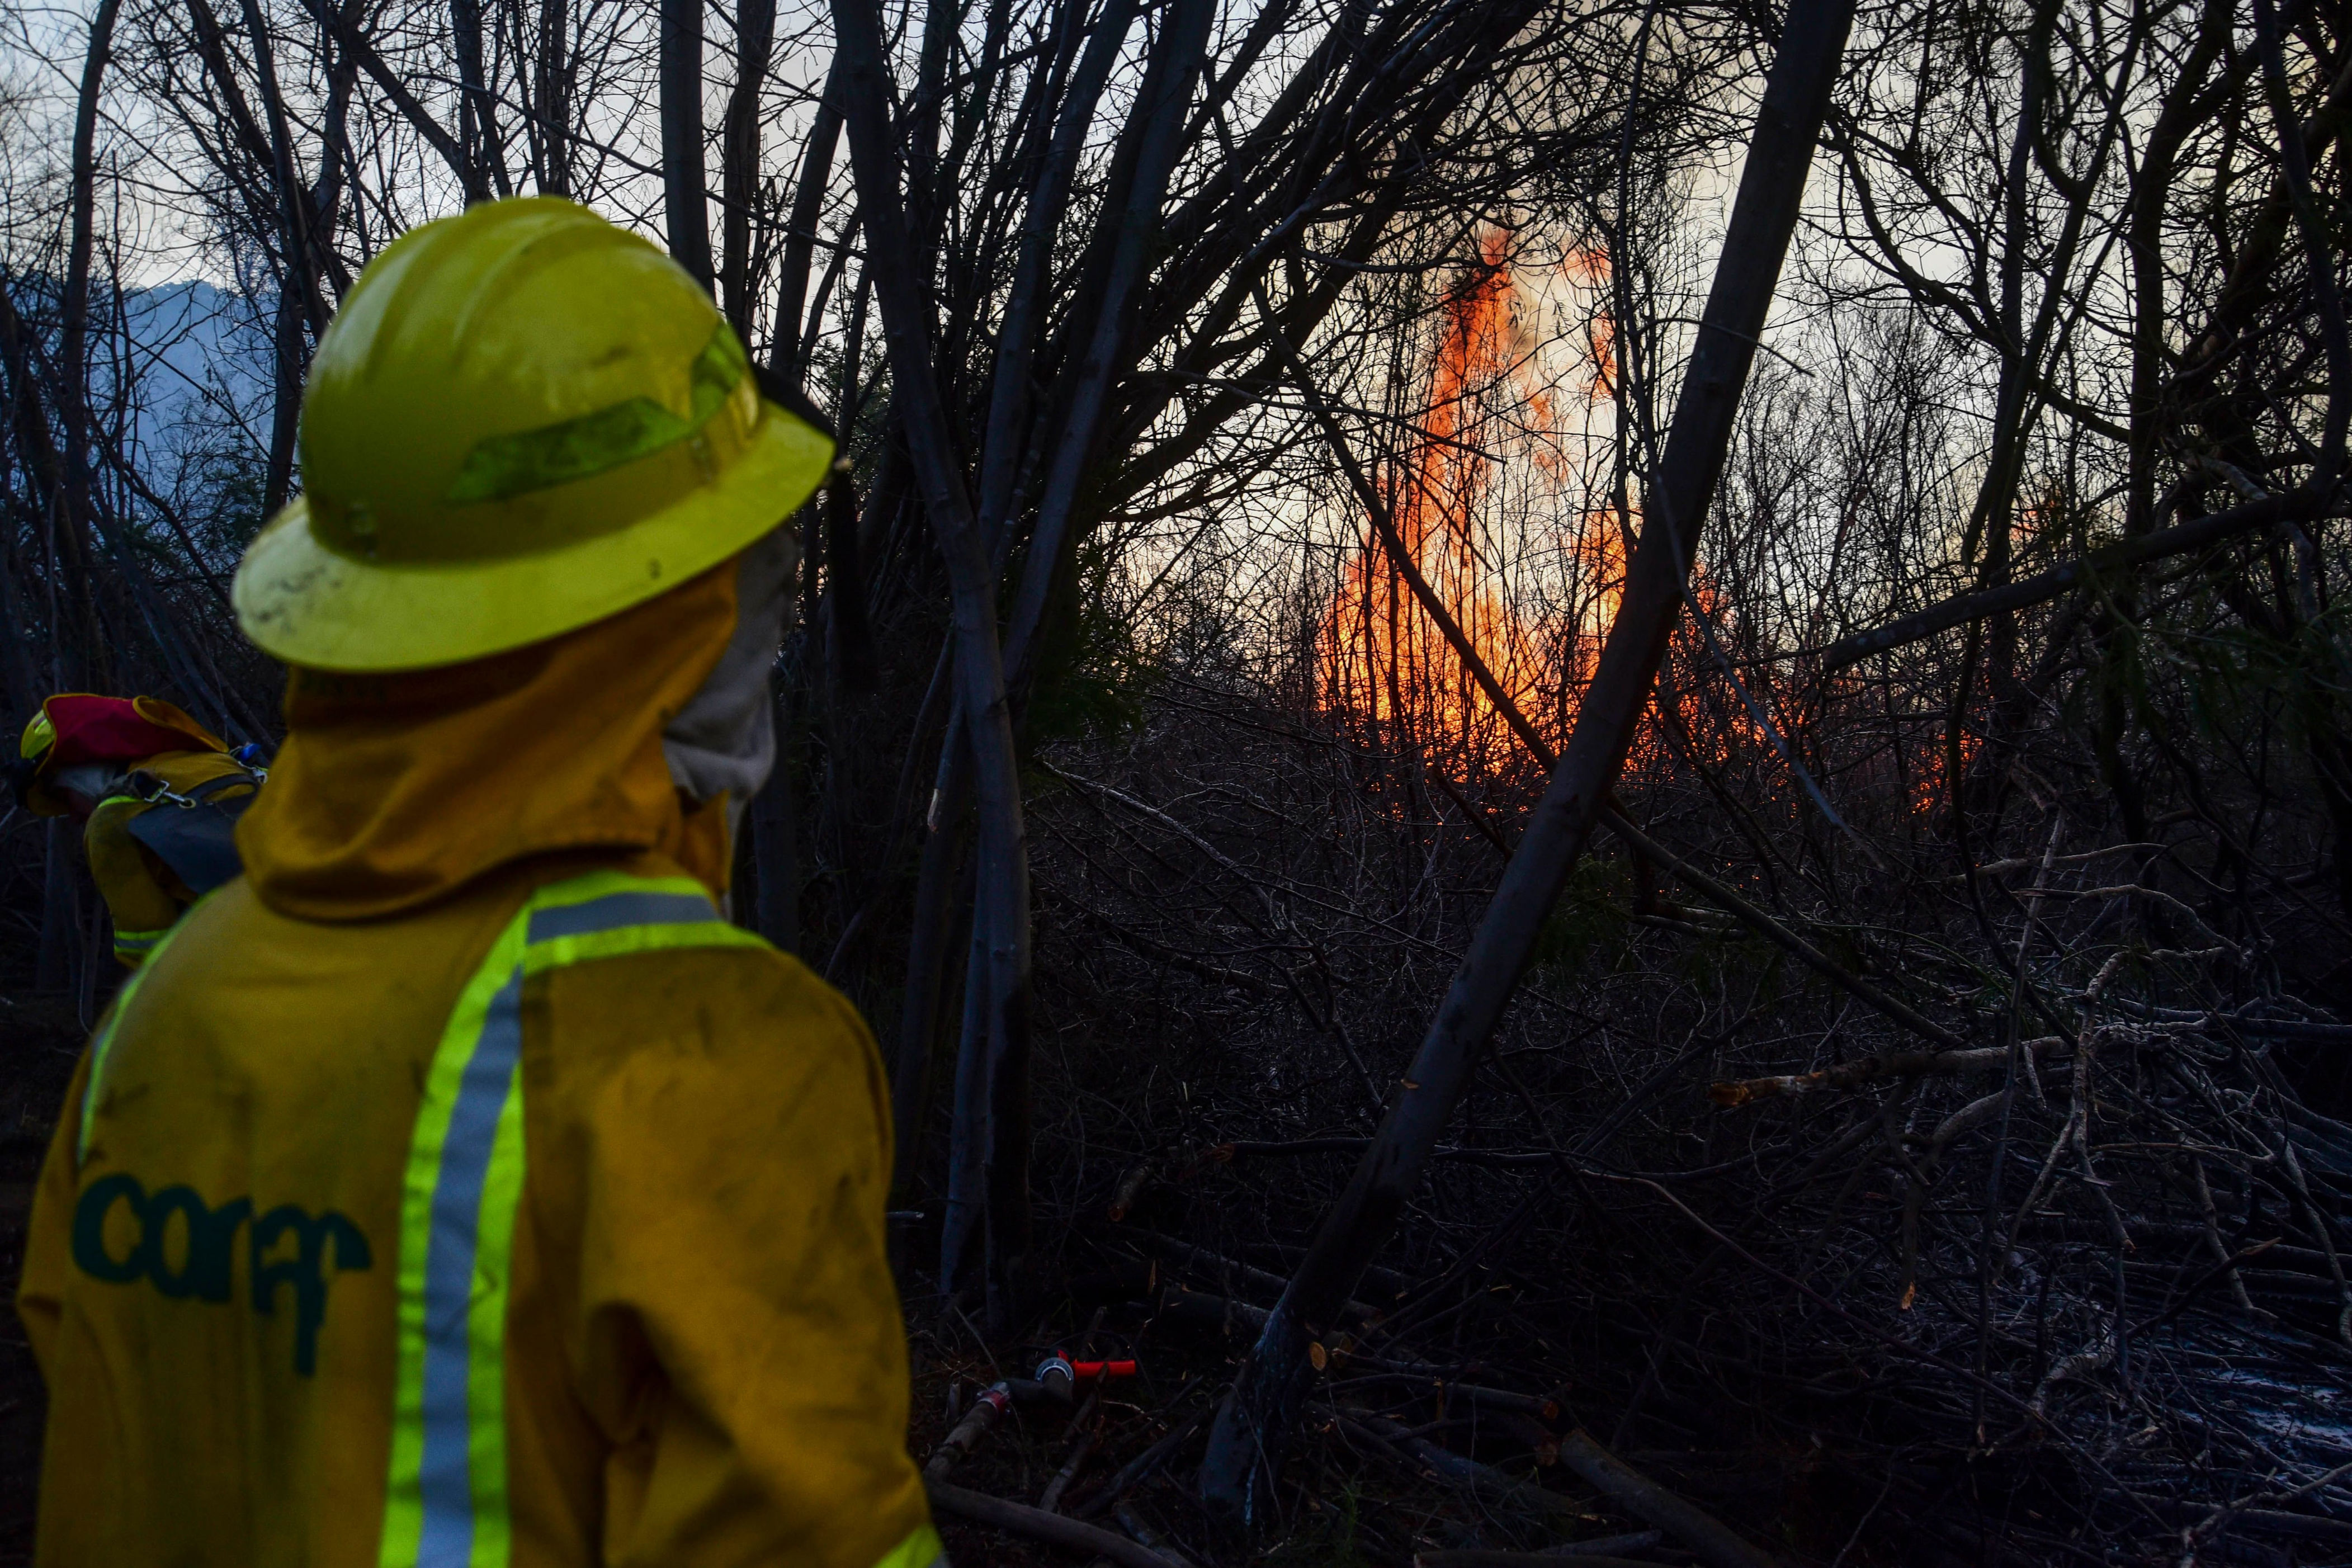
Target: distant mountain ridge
201,363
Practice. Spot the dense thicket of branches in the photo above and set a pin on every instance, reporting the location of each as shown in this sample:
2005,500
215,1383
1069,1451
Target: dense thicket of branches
1252,409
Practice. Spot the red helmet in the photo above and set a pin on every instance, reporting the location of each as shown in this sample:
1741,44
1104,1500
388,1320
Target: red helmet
77,727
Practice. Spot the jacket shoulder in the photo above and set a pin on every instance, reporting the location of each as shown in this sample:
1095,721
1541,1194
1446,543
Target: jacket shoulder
730,1000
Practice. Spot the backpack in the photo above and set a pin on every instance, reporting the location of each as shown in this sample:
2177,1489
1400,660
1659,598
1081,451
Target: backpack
190,831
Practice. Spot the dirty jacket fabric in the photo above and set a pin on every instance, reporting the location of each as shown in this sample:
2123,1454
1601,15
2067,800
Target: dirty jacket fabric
476,1196
142,895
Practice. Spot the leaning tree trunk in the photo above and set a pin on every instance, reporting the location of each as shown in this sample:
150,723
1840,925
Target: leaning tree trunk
301,298
1161,105
991,1111
1002,891
1254,1426
61,962
686,208
73,397
800,242
930,949
477,121
739,167
553,104
776,835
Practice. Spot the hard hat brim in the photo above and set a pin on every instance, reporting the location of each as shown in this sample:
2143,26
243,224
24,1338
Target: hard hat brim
308,605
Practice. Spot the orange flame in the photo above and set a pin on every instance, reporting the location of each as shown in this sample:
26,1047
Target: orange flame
1930,790
1385,663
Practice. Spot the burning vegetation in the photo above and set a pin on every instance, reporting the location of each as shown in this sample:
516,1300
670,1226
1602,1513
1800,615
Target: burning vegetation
1489,414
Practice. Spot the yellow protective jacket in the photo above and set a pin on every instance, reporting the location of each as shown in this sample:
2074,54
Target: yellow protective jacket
143,896
458,1188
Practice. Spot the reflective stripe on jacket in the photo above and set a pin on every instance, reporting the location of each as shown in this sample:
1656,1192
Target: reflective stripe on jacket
543,1227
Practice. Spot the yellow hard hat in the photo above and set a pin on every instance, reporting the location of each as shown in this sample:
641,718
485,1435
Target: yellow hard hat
522,419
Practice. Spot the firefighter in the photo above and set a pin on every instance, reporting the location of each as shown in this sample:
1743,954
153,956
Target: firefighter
110,762
459,1186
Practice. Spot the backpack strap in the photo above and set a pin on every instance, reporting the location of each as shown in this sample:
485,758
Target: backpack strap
190,831
202,795
141,785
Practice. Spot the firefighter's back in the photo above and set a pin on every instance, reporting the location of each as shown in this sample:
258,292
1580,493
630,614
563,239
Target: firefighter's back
224,1354
539,1226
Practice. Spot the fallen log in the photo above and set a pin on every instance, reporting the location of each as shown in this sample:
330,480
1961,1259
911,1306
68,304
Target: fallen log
1228,1268
1455,1468
1872,1069
1054,1528
1710,1540
1533,1404
2269,1522
1608,1546
1713,1541
1204,1313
